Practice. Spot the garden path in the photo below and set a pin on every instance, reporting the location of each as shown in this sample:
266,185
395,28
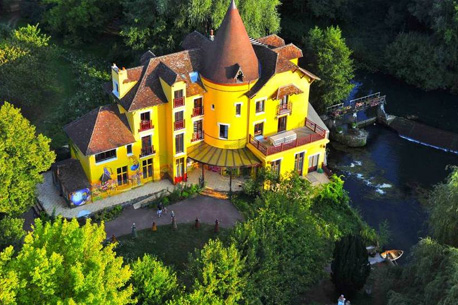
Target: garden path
205,208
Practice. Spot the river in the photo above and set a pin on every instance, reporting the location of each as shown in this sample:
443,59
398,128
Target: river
387,178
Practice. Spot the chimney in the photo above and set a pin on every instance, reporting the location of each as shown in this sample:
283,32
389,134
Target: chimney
212,37
114,67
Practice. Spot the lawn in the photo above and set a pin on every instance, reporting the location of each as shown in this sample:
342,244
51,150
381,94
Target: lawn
171,247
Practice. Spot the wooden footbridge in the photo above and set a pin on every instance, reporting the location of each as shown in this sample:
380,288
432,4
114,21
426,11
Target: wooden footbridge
356,105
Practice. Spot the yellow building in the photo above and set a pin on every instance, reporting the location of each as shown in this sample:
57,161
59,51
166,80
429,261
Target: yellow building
226,101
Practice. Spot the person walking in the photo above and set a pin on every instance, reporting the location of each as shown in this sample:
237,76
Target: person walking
159,209
172,214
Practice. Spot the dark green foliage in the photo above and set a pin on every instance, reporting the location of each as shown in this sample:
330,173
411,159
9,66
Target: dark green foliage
79,20
330,59
11,231
414,56
108,214
443,204
350,266
429,278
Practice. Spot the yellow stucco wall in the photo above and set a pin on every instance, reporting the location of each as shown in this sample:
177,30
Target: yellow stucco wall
220,104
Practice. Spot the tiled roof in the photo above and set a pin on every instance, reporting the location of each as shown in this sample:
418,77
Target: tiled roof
231,47
272,41
71,174
171,68
102,129
286,90
289,51
195,40
133,74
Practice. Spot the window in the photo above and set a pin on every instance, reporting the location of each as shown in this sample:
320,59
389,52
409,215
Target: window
198,107
275,166
179,116
259,129
223,131
122,175
238,109
284,100
299,163
179,143
281,124
178,93
260,106
147,167
213,106
106,155
180,167
197,131
147,146
239,76
129,149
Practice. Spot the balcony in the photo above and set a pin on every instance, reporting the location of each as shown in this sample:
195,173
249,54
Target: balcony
284,109
147,150
311,132
179,125
196,136
196,111
178,102
145,125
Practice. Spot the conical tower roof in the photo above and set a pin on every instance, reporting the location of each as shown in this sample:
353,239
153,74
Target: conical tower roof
230,58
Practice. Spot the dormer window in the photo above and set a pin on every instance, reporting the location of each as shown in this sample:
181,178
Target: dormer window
240,77
115,88
238,74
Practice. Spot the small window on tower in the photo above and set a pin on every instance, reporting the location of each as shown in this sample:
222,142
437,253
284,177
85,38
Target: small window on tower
240,77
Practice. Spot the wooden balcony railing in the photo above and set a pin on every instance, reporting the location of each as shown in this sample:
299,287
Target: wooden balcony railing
145,125
196,136
179,125
306,139
147,150
197,111
284,109
178,102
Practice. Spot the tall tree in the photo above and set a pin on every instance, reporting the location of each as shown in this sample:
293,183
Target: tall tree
217,273
23,156
330,59
284,246
160,25
350,266
24,62
153,282
79,20
443,202
61,263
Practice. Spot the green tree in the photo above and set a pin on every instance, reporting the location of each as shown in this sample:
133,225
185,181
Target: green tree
61,263
413,56
160,25
24,63
153,282
430,277
350,266
286,250
79,20
11,231
330,59
23,156
218,276
443,202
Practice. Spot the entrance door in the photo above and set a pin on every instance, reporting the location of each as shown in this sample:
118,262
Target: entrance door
282,123
299,163
179,174
313,162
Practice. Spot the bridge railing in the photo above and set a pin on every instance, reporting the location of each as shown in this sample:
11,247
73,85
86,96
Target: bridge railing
355,105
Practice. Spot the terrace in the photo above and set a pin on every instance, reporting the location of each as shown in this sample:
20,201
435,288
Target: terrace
311,132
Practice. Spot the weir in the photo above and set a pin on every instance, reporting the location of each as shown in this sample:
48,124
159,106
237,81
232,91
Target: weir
424,134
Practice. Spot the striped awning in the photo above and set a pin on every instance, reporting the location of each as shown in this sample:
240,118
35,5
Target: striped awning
215,156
